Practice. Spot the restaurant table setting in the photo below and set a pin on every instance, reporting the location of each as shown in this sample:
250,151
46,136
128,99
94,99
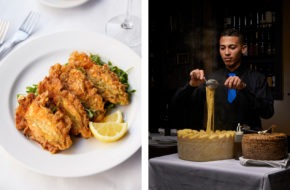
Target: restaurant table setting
170,172
161,144
41,33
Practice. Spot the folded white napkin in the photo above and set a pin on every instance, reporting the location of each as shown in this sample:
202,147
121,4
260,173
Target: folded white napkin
274,163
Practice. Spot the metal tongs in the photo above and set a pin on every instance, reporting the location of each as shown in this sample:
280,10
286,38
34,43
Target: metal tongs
265,131
211,83
247,129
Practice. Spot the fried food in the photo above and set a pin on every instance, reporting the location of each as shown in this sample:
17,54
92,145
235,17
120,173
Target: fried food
68,103
76,82
38,122
56,109
106,81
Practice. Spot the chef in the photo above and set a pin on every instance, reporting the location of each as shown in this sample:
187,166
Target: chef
242,96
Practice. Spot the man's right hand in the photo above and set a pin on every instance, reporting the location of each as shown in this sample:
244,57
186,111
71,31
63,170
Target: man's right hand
196,77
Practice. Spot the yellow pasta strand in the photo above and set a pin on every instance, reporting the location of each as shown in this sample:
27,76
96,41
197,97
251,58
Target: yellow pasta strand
210,109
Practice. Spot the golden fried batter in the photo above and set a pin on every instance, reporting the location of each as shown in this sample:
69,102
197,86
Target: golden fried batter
41,124
106,81
68,103
58,110
76,82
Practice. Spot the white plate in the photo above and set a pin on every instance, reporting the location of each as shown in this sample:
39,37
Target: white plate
63,3
28,64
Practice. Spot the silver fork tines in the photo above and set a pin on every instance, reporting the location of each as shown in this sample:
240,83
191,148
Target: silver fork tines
29,22
23,32
3,30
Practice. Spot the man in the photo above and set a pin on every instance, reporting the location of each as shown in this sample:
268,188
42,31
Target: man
251,101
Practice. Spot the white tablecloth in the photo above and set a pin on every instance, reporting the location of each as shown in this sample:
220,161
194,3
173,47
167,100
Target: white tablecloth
90,16
171,173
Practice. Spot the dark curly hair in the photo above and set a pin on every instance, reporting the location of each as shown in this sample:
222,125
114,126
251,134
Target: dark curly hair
233,32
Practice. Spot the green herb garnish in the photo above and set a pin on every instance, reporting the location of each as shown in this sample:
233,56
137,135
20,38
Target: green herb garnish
32,89
123,76
97,59
109,106
91,113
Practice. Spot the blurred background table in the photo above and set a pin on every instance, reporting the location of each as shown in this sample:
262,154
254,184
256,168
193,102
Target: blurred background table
90,16
160,145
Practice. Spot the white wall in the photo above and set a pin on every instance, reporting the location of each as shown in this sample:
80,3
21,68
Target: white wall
281,117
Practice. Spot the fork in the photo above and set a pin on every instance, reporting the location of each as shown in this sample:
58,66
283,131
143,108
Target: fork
23,32
3,30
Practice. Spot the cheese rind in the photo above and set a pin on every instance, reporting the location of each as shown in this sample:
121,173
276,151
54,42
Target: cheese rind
265,146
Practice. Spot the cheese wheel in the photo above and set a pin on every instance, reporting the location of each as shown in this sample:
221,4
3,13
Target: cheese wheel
269,146
202,146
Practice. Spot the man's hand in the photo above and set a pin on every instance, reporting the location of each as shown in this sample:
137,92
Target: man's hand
196,77
235,82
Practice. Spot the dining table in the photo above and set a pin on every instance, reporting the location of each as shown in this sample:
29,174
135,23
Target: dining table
171,172
160,144
58,16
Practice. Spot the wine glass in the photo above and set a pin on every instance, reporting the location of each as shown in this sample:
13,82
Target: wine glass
125,28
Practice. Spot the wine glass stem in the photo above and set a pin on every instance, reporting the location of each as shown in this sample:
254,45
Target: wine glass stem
127,23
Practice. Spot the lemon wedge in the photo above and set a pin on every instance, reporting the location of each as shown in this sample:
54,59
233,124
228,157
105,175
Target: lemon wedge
109,131
116,117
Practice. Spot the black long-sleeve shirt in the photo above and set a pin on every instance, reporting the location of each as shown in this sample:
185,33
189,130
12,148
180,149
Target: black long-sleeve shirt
250,105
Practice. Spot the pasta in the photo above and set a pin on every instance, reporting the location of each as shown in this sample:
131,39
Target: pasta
210,109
